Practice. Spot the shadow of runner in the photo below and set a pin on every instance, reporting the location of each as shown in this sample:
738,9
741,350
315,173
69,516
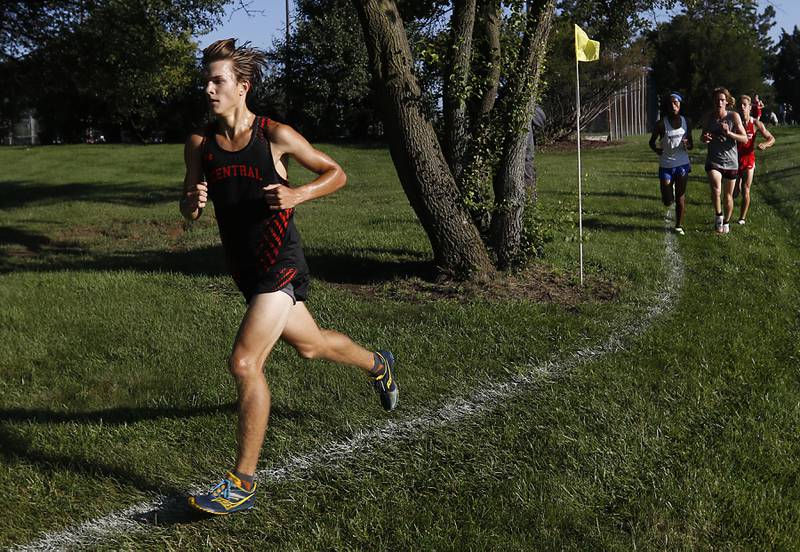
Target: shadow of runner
173,510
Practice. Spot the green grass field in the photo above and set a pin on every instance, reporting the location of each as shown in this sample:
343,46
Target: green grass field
116,322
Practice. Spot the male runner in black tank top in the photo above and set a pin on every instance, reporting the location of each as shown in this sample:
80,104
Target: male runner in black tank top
239,162
262,246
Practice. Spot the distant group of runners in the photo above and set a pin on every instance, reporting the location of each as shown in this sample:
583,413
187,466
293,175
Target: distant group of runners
730,159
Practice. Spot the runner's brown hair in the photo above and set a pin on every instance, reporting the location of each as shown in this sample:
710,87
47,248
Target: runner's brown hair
248,63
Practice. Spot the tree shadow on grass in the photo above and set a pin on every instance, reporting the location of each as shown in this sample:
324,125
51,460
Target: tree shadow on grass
775,195
15,194
646,215
594,224
110,416
15,446
131,414
628,174
339,268
622,195
782,174
41,254
31,241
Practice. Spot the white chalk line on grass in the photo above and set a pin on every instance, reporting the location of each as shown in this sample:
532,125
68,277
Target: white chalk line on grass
147,514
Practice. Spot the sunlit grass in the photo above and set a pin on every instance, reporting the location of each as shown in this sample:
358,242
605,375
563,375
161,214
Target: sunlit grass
117,321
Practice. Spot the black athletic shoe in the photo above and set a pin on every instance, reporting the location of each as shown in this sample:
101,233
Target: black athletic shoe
385,384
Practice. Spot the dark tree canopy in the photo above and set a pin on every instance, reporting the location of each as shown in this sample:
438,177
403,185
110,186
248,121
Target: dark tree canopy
320,80
112,65
786,69
712,43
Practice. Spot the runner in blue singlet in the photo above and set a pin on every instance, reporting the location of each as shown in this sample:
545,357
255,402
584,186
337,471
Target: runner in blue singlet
675,133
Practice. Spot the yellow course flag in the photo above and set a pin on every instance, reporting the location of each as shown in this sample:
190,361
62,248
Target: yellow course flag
586,49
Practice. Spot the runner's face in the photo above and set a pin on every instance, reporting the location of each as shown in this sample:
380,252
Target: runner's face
676,106
223,92
744,107
721,101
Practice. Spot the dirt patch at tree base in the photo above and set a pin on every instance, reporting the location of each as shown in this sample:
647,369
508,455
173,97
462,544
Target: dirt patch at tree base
537,284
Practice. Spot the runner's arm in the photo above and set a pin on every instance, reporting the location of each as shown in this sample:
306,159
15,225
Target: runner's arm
762,129
689,142
706,135
658,132
741,134
195,190
285,141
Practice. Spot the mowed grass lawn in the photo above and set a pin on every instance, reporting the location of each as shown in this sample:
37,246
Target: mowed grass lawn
116,322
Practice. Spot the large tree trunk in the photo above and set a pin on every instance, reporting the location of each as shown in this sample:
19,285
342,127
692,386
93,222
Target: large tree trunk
417,155
519,103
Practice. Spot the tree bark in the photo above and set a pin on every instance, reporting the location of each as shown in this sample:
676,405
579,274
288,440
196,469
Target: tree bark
456,77
416,152
488,35
519,103
485,72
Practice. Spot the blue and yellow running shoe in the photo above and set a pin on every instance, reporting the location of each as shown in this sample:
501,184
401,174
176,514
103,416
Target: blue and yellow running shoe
385,384
226,498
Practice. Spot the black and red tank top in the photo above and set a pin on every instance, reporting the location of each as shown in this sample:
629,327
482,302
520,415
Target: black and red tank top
262,246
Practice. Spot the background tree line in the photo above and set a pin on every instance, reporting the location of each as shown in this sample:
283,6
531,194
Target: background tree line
451,86
132,66
111,65
708,43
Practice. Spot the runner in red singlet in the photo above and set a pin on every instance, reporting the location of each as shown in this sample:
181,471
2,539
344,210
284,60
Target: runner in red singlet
747,154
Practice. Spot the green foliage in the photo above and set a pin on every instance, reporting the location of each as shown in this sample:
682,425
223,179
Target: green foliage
476,186
787,68
536,234
324,91
713,43
111,65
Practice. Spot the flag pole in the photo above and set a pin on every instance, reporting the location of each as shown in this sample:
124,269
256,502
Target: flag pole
580,201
